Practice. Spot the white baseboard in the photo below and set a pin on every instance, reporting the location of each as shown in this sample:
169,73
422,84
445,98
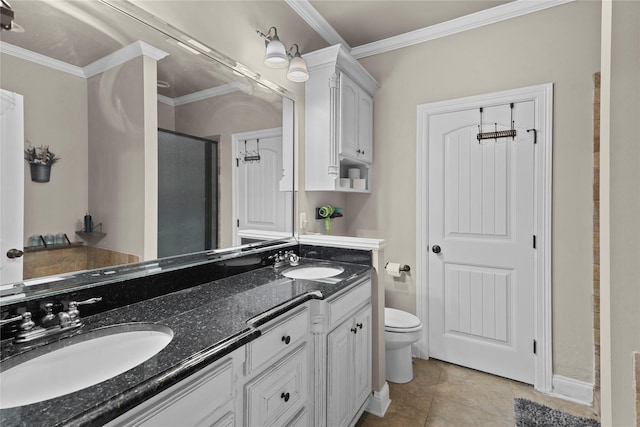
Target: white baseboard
573,390
379,402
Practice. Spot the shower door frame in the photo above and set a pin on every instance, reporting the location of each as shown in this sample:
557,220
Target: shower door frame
212,193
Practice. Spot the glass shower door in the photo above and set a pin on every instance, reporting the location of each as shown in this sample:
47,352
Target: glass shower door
187,194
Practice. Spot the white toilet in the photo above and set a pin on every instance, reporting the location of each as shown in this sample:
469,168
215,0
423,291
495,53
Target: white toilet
401,330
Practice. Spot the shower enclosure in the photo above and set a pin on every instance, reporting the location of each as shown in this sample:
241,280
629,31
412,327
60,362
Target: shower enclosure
187,194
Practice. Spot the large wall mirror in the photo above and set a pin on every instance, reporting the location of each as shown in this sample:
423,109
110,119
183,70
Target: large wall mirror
169,146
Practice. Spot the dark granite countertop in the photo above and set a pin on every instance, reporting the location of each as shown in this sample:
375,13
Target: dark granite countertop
208,321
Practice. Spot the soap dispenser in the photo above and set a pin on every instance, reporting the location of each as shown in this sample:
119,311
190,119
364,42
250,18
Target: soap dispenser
88,226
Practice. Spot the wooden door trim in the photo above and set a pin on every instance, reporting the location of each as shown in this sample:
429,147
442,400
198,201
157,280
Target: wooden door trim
542,95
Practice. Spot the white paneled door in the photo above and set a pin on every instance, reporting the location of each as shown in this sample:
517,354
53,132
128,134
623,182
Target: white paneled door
11,186
481,236
260,203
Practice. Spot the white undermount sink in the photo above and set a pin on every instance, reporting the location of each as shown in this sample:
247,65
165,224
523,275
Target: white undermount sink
312,272
78,362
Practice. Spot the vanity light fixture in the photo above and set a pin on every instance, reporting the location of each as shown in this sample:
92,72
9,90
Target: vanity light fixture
297,67
276,56
6,18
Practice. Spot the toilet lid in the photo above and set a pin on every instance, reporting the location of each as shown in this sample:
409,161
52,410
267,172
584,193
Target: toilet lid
399,319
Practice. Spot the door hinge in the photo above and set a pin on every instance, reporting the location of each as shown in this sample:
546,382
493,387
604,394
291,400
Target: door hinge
534,241
237,223
535,345
237,163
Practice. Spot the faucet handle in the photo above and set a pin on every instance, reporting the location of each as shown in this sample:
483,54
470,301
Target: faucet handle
74,313
49,319
293,257
26,323
89,301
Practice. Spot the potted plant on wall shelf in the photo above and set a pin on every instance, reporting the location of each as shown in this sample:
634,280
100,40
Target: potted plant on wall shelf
40,160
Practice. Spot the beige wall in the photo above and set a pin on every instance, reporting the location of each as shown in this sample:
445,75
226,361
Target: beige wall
55,105
166,116
620,210
116,156
559,45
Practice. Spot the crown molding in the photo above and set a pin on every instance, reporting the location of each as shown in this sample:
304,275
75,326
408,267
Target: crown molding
43,60
338,56
201,95
475,20
120,56
112,60
316,21
166,100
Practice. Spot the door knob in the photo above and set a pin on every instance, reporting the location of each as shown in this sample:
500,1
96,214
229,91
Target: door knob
14,253
436,249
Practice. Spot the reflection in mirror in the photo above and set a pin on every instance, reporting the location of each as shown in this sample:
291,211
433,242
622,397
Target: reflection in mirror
100,82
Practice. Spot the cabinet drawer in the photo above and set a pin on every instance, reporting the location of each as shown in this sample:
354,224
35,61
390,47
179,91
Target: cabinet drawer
277,340
301,419
196,401
278,394
227,420
346,303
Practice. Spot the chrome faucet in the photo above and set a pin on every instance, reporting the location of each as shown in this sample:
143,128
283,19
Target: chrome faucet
50,324
293,258
280,259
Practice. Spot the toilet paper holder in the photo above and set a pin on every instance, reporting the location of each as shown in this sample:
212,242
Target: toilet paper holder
404,267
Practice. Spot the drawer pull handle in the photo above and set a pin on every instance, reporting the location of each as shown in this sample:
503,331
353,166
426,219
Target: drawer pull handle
359,325
354,330
286,339
285,396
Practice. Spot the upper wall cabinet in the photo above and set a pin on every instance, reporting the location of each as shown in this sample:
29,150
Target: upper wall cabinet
339,122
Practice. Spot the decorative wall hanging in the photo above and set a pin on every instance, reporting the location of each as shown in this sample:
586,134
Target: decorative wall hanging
40,161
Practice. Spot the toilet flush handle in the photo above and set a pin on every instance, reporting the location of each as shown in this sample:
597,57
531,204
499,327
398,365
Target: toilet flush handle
436,249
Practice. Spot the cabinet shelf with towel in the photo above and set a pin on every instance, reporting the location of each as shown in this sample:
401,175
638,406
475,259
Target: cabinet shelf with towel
339,122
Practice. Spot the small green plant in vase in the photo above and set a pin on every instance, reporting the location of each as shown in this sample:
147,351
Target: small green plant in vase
40,160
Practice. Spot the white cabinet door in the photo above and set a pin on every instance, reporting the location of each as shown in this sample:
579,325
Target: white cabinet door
348,114
365,127
349,368
339,370
362,357
356,121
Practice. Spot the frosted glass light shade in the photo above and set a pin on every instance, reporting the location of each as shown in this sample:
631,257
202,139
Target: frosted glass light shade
276,54
298,70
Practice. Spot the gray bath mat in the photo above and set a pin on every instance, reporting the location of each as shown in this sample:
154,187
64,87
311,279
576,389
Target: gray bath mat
532,414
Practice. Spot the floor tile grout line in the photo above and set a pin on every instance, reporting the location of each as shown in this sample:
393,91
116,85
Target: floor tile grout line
433,397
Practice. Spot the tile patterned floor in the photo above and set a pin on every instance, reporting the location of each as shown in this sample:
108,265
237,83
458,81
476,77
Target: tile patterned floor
442,394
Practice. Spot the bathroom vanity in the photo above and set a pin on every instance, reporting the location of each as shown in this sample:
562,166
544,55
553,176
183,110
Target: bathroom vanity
256,348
